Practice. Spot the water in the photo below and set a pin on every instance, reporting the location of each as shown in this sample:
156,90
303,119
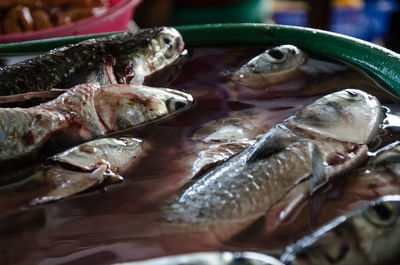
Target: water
120,223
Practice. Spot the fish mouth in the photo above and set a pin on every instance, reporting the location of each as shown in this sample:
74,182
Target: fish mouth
179,103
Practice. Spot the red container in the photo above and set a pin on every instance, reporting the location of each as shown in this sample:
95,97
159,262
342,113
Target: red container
117,18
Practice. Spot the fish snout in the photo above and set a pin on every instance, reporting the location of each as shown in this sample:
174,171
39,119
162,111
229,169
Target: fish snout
171,41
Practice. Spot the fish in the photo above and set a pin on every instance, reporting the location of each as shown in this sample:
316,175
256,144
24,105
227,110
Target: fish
223,138
121,58
232,195
83,113
379,177
75,170
368,235
273,66
211,258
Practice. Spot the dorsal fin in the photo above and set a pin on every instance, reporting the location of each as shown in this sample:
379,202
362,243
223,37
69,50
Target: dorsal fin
271,143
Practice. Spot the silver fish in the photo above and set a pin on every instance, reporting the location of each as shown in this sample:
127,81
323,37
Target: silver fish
369,235
211,258
89,109
273,66
72,171
246,186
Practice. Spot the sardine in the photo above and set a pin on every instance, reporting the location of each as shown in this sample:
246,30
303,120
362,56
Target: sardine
85,112
246,186
211,258
70,172
273,66
369,235
134,55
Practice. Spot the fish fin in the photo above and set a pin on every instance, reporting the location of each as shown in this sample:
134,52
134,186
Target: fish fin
266,148
271,143
316,202
318,176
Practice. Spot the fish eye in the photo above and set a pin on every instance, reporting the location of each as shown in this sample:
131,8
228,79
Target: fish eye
381,214
276,55
166,40
352,93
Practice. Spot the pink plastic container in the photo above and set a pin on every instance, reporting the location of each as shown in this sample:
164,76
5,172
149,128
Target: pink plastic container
117,18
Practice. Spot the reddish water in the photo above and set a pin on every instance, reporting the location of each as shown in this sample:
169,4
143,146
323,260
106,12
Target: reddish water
105,227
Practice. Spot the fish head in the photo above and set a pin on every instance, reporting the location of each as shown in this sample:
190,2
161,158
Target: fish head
162,47
125,106
348,115
274,65
169,43
283,57
367,235
116,152
378,227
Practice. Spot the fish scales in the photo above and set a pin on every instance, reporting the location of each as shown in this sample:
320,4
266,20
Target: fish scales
50,69
221,195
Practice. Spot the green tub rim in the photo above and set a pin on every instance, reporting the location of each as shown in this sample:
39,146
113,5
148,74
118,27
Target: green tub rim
381,63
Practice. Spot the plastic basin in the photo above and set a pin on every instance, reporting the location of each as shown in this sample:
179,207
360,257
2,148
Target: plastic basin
117,18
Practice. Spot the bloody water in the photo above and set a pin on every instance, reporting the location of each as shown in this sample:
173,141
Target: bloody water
120,223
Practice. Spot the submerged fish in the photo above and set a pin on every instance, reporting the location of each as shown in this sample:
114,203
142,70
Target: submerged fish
303,150
135,55
84,112
223,138
211,258
273,66
369,235
71,172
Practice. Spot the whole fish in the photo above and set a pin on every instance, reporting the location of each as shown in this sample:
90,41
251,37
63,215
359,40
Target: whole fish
273,66
70,172
302,149
369,235
133,55
84,112
211,258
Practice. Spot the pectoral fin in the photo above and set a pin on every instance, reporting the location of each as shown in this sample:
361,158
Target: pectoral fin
318,176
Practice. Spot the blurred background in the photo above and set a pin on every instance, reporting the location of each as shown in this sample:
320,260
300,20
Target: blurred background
371,20
376,21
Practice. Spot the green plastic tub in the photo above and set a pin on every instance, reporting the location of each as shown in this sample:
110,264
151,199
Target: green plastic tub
379,62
